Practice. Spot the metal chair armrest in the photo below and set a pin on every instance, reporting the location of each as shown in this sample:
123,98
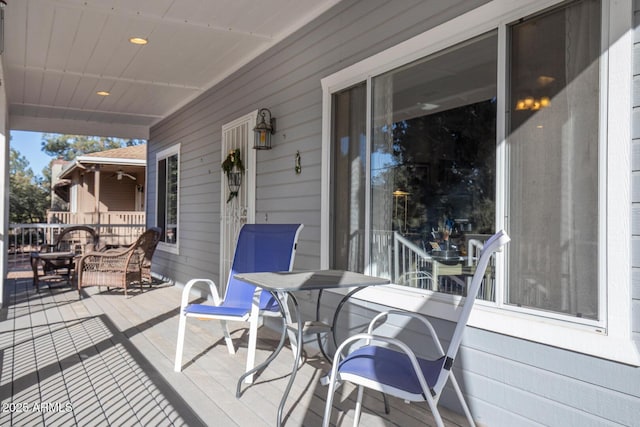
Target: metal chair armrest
186,291
382,317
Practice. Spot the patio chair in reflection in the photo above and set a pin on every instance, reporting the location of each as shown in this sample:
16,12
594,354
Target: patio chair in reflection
119,268
260,248
390,366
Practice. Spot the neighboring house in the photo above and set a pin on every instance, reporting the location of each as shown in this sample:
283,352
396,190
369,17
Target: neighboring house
106,188
413,119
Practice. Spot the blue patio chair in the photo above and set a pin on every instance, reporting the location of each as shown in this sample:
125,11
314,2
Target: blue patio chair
390,366
260,248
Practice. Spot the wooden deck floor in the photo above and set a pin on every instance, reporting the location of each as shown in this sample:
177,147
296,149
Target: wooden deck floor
108,360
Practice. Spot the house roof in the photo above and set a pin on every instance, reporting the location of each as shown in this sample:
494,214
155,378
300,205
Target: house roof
138,152
119,158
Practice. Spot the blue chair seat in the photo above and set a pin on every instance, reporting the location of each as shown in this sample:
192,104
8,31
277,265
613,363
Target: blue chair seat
212,310
224,310
390,367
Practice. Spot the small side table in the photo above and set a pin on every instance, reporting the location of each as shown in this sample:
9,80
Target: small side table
52,261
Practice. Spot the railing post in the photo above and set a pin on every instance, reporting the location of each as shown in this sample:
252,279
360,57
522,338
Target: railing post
396,257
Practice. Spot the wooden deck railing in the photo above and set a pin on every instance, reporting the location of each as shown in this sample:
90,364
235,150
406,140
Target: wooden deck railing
102,218
114,229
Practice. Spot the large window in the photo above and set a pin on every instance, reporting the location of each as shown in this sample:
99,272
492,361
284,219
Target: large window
515,115
432,169
553,160
168,168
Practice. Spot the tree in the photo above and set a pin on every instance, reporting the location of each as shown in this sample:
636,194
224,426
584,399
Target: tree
68,147
29,196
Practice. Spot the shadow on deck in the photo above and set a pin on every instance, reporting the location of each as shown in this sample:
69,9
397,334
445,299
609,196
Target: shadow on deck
108,360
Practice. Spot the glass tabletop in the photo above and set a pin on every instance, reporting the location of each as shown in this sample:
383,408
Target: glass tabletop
288,281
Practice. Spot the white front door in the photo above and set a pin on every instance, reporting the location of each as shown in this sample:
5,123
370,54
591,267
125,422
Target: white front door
240,209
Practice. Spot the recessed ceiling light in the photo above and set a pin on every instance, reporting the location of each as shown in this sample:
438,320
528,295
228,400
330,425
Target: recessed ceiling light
425,106
138,40
545,80
103,93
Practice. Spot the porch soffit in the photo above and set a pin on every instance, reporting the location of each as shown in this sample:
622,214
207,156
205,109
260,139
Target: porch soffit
59,53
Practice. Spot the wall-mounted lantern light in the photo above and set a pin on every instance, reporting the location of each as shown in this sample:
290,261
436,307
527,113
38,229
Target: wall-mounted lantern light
234,180
265,127
233,168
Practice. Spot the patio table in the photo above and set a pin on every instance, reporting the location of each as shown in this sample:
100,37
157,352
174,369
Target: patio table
282,285
59,260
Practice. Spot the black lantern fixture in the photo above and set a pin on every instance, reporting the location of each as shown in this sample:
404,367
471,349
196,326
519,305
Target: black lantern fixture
265,127
233,168
234,180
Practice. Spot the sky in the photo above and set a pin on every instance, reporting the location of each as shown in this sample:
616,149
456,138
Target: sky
29,145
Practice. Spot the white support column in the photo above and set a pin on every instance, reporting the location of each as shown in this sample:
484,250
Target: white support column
4,190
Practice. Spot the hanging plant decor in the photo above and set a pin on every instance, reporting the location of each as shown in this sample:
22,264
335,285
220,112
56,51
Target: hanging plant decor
233,169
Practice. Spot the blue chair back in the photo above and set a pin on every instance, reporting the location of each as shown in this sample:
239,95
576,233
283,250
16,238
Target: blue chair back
260,248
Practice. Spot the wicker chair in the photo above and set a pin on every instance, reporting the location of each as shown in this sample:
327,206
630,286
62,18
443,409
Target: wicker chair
78,240
145,267
119,268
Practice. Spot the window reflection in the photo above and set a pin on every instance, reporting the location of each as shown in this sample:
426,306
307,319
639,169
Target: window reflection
433,165
432,170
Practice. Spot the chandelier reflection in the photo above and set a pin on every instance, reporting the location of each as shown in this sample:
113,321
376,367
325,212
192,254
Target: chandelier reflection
533,104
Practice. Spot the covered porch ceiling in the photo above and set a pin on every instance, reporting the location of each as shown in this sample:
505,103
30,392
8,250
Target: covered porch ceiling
58,54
